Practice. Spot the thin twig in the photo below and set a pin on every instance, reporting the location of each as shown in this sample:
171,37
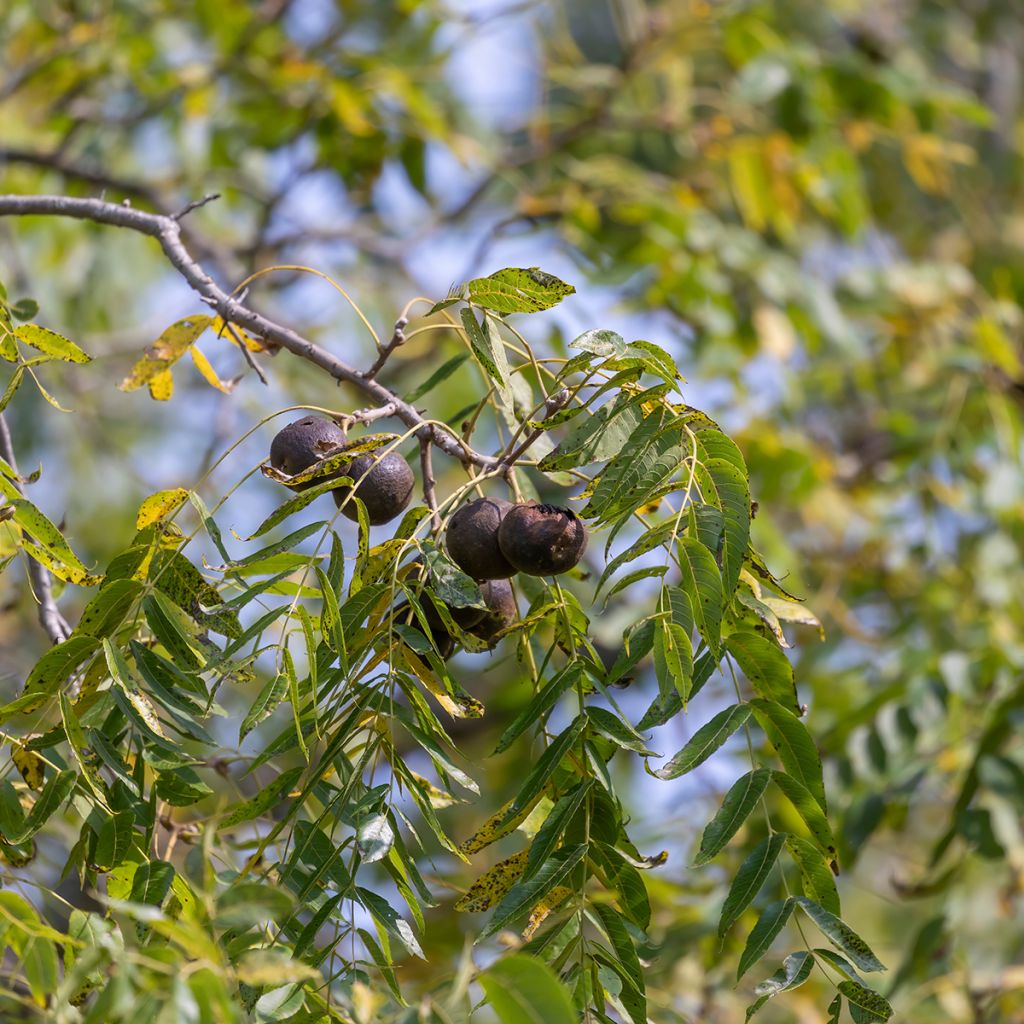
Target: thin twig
50,618
557,401
397,338
167,232
247,355
427,469
195,204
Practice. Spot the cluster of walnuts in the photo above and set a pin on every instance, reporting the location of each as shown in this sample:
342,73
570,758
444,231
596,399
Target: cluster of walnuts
489,539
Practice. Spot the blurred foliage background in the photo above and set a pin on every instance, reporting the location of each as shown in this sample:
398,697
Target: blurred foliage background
816,206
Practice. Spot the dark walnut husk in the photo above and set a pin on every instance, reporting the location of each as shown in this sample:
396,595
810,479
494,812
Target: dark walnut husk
385,487
472,539
436,631
542,540
302,444
501,610
484,623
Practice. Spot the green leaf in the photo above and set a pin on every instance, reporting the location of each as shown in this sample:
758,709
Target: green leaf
841,935
390,920
673,659
737,805
181,787
600,342
522,990
537,710
795,970
54,668
114,839
24,309
442,373
702,582
818,881
705,741
767,668
517,290
734,500
526,895
272,694
597,436
54,793
549,834
108,609
810,810
769,924
53,344
866,999
291,506
616,729
489,349
545,767
633,995
263,801
748,881
793,743
151,883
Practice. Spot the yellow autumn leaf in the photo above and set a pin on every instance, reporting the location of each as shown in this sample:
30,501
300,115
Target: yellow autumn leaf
220,327
30,765
160,505
204,366
540,912
153,369
492,885
497,826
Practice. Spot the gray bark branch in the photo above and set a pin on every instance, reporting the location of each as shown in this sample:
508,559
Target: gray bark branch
167,232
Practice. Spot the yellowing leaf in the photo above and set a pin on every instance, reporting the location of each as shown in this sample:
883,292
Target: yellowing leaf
51,343
153,369
209,373
497,826
160,505
30,765
161,387
557,896
492,885
220,328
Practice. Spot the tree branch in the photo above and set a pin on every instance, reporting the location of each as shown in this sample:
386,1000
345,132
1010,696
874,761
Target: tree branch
50,617
167,232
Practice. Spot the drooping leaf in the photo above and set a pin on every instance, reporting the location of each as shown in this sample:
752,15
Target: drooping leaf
493,884
841,935
525,895
793,743
737,805
816,877
273,693
810,810
767,668
769,924
263,801
858,995
702,582
54,793
705,741
673,659
748,881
